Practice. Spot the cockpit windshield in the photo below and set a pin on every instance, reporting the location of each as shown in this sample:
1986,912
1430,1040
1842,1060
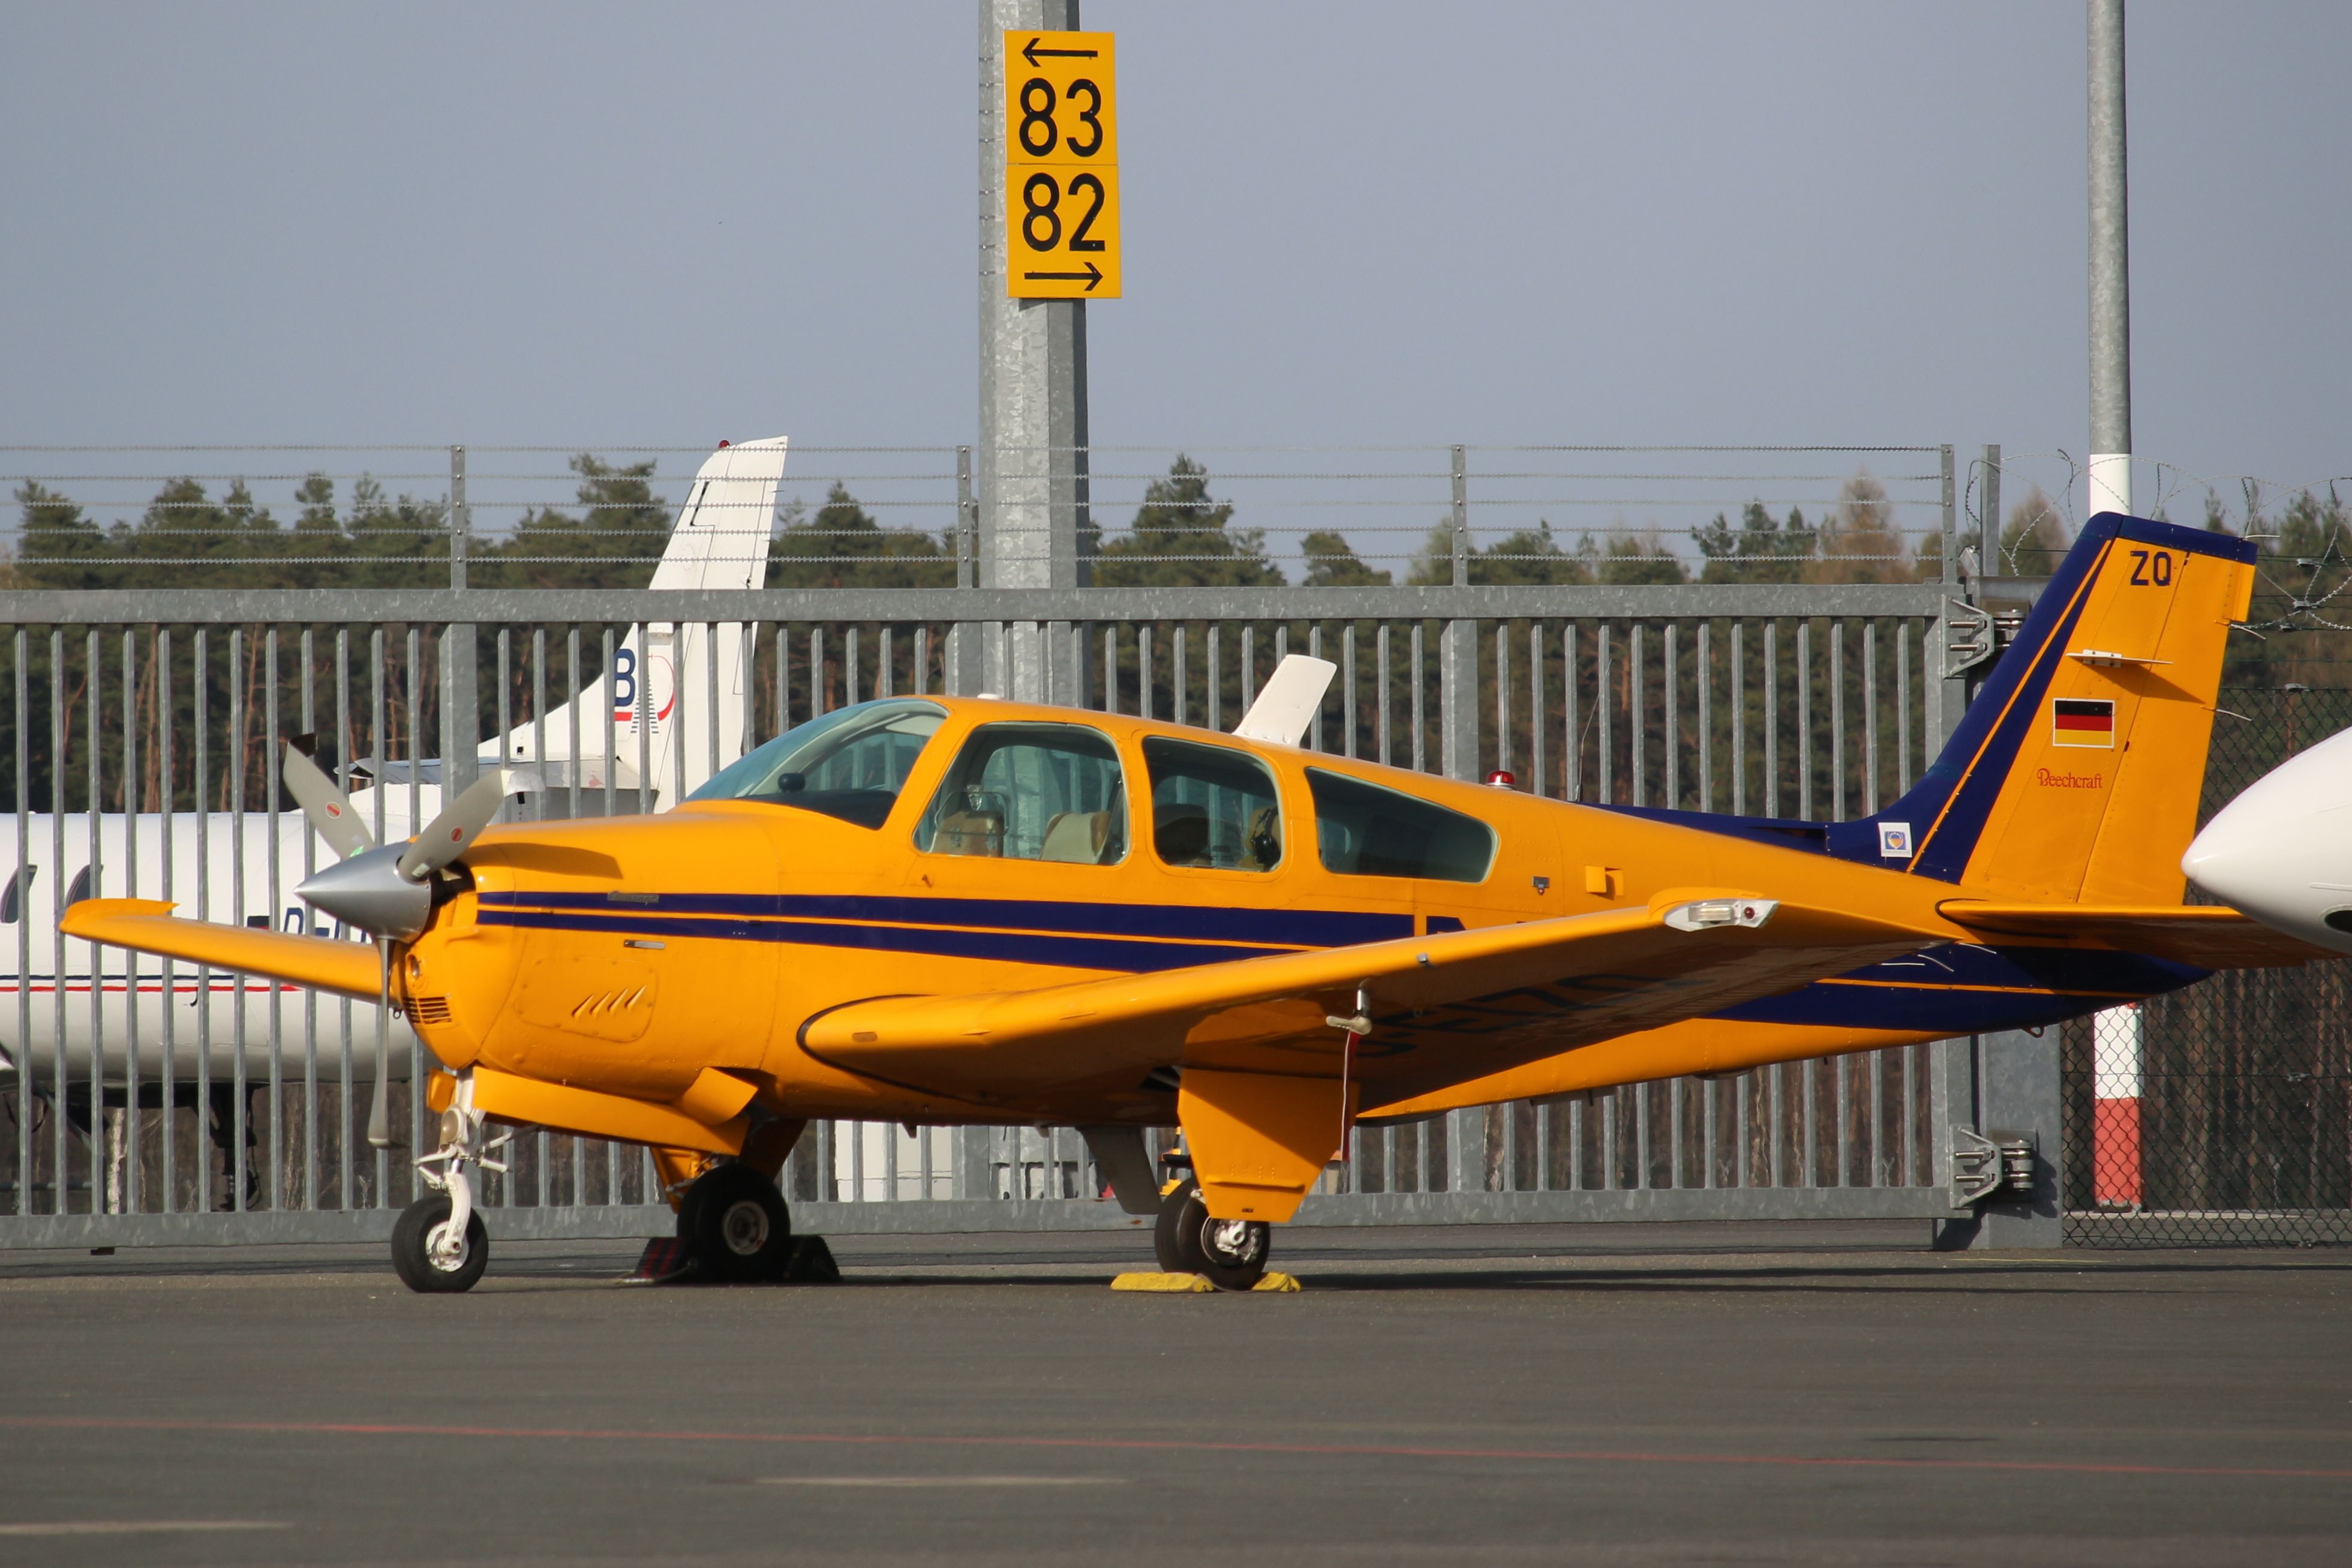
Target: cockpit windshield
849,763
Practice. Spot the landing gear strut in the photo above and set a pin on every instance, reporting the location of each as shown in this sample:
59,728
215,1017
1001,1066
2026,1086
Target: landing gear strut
1230,1253
439,1243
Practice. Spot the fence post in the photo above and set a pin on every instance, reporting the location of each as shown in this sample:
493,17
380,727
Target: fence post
2017,1090
1461,519
959,660
1989,511
461,732
1457,721
461,517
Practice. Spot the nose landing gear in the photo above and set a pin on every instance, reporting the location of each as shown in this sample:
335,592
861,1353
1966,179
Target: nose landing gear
439,1243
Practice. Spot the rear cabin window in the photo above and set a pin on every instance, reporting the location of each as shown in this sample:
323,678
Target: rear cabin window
1031,792
1211,807
1366,830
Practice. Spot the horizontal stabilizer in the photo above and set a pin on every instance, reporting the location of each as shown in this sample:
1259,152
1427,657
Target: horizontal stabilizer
145,925
2205,935
1690,953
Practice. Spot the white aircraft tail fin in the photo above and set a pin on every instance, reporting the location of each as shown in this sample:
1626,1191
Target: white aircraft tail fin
659,695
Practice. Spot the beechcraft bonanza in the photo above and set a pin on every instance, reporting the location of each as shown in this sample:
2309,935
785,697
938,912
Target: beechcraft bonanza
943,911
88,1026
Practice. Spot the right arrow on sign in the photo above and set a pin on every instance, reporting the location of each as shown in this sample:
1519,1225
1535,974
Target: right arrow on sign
1090,277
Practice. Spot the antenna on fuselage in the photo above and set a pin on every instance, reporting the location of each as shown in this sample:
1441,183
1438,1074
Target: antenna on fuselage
1287,703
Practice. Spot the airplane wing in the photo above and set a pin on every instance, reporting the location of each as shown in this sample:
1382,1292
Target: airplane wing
145,925
1592,975
2207,935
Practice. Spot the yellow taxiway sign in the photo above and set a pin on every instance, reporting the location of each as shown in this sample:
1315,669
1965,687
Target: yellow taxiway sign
1061,166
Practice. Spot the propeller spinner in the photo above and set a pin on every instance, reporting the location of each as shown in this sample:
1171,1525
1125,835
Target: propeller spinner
383,889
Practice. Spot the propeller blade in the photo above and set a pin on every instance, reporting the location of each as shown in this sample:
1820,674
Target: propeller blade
329,809
379,1106
460,823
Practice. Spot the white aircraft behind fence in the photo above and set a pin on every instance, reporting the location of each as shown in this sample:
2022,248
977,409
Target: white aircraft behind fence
657,693
2282,851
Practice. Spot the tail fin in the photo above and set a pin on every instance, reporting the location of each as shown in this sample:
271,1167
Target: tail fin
2075,774
661,679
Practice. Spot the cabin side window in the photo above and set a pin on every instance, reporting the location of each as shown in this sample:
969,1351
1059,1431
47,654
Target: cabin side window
1031,792
1213,806
1366,830
83,886
17,893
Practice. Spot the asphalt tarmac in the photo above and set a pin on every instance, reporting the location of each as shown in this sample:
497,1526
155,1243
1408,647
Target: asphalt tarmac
1786,1394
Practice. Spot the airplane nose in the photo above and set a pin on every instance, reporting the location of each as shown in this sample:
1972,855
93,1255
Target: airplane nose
369,893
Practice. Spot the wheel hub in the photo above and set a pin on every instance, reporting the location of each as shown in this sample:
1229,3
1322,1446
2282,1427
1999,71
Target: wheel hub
744,1228
444,1248
1235,1241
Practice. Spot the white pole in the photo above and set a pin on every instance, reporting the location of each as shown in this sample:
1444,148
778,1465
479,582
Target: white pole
2110,475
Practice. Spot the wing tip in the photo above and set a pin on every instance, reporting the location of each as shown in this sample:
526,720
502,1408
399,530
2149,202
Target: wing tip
91,910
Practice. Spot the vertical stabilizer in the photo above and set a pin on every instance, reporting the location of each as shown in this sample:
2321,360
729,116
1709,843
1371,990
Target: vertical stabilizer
678,691
2075,774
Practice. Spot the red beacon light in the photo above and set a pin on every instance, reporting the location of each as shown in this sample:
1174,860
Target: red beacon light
1501,778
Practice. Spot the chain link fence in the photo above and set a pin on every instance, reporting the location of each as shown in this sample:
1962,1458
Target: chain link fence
2220,1115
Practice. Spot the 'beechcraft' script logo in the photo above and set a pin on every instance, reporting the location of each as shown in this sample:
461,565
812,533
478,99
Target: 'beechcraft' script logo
2082,721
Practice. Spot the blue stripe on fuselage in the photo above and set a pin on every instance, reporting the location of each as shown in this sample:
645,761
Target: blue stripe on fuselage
1953,988
1222,924
1018,947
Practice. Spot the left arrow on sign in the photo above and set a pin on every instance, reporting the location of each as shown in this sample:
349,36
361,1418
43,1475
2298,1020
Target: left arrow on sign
1033,54
1090,277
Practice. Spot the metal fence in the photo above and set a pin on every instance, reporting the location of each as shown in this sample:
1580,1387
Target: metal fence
2220,1114
228,1111
595,515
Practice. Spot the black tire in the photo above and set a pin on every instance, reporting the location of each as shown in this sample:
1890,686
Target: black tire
740,1231
1175,1234
1233,1254
414,1263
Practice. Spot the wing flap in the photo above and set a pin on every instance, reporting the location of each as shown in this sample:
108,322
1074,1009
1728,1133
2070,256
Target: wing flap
1637,967
2207,935
146,925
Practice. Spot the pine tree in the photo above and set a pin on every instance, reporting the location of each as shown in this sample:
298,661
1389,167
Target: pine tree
810,552
1332,563
1182,537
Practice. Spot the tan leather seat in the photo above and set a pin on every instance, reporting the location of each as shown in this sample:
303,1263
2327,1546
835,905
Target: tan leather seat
971,833
1076,838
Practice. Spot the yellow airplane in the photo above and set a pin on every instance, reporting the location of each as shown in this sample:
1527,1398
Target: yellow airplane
955,910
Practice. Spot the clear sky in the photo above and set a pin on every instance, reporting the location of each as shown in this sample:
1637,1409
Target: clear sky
1345,223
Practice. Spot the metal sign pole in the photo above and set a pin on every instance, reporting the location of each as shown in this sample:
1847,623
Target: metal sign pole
1033,491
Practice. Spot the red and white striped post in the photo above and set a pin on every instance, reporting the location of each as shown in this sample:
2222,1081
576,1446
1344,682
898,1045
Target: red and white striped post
2119,1065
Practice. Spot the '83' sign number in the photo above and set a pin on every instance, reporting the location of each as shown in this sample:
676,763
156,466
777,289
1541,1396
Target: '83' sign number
1061,166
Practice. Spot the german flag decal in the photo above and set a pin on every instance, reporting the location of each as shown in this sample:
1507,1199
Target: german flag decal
2082,721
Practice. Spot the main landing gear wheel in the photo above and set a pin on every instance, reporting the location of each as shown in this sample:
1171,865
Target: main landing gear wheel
427,1257
733,1220
1230,1253
1175,1234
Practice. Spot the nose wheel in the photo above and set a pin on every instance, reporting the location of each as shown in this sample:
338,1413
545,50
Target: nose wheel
1230,1253
734,1223
433,1256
